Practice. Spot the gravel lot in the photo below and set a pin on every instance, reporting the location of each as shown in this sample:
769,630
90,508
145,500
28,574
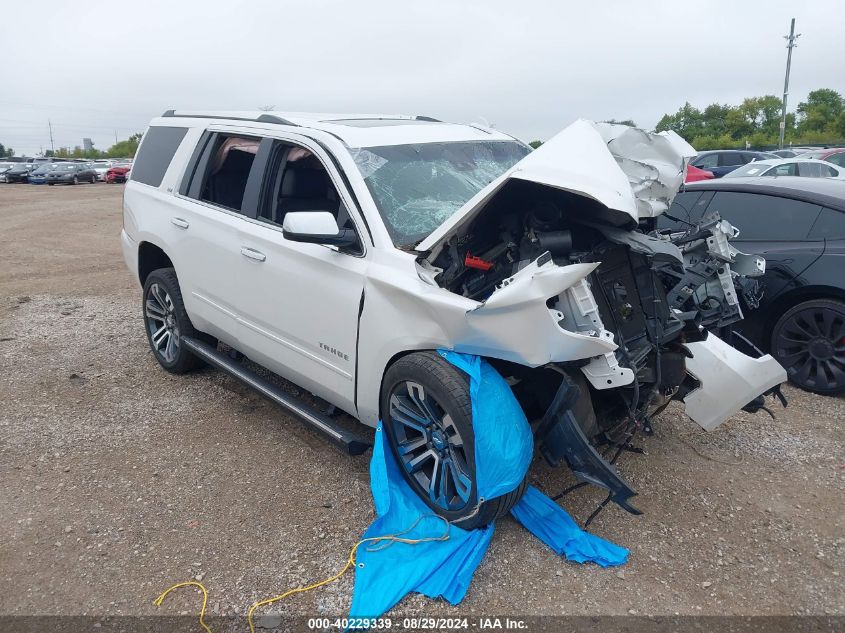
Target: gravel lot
118,479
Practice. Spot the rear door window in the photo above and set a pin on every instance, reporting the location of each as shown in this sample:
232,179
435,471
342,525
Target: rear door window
708,161
729,159
810,170
222,170
765,218
157,149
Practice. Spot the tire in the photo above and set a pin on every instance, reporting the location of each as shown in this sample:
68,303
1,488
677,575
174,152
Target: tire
427,386
51,183
166,322
75,180
809,341
94,180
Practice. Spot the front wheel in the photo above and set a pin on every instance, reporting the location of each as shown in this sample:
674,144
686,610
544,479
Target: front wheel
427,415
166,322
809,341
75,180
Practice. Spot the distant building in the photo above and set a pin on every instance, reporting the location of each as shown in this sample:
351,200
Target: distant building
87,144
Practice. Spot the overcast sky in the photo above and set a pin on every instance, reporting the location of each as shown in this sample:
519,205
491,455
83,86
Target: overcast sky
97,69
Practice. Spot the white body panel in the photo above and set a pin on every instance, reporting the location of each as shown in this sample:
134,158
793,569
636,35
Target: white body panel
729,380
332,322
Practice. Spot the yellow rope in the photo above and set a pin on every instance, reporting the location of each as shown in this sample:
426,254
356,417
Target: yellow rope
157,602
350,562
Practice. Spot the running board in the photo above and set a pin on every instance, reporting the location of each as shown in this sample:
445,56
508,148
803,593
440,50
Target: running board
346,440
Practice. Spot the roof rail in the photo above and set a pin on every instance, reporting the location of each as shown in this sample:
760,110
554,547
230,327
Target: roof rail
264,118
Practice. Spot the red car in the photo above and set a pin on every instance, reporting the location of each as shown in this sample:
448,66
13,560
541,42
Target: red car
117,173
694,174
835,155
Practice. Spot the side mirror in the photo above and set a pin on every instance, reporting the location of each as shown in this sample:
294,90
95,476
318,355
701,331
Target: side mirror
316,227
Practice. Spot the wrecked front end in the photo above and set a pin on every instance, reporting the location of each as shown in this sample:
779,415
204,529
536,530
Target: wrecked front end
597,321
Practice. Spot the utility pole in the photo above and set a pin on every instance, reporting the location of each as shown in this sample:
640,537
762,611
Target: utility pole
790,45
52,147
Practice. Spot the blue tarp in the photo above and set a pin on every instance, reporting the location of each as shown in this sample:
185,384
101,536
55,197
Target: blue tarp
443,567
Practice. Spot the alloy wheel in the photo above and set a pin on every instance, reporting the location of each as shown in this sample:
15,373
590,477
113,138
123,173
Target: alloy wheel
811,346
162,325
429,446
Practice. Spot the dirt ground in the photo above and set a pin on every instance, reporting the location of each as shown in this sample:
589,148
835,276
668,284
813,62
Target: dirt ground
118,479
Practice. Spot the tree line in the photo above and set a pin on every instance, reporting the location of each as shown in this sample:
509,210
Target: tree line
820,120
121,149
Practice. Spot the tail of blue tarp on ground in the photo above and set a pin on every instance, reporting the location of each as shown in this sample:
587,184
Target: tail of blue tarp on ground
443,567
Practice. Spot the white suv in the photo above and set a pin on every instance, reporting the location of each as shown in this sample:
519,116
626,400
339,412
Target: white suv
340,251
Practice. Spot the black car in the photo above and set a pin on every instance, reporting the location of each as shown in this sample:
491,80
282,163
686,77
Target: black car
724,161
18,172
71,174
798,225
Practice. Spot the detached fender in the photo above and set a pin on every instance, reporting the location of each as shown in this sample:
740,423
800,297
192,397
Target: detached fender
729,380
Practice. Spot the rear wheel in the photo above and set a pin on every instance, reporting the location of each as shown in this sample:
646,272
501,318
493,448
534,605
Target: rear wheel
427,415
809,341
166,322
75,180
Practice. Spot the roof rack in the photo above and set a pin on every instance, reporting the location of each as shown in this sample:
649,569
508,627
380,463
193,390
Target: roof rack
264,118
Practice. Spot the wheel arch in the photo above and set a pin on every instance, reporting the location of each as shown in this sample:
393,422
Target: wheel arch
151,257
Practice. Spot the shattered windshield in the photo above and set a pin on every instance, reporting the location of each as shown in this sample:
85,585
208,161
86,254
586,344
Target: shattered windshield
418,187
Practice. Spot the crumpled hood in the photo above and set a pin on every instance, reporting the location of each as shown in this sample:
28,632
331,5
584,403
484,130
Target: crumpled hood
628,170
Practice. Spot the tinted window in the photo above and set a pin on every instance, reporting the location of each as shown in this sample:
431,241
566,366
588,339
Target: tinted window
156,152
829,225
687,207
837,159
708,161
760,217
728,159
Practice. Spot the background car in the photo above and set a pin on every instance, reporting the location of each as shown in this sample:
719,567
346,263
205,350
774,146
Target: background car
804,167
118,173
39,176
71,174
694,174
785,153
723,161
18,172
834,155
4,167
798,225
101,169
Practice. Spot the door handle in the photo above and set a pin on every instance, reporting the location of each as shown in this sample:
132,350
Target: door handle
179,222
253,254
